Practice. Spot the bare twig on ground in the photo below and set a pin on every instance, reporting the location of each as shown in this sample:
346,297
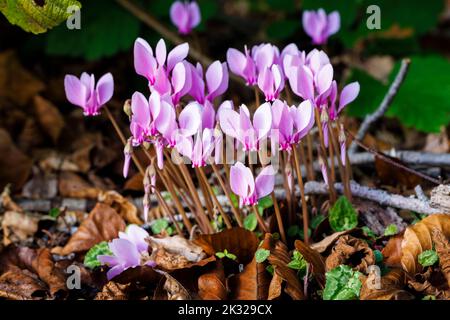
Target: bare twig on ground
381,110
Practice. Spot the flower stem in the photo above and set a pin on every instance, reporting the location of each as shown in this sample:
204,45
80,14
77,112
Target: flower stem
279,218
261,222
302,194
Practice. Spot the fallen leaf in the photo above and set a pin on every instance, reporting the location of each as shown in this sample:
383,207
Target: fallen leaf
254,281
134,183
41,186
388,287
18,226
49,117
102,224
72,185
379,67
437,142
328,241
315,260
123,206
350,251
113,291
394,176
6,203
417,238
431,282
15,167
442,247
440,198
392,251
275,287
212,284
20,285
173,289
16,83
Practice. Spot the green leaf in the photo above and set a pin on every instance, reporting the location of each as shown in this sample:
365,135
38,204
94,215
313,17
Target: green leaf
368,232
378,256
234,200
250,222
421,102
106,29
342,283
159,225
265,202
54,212
220,255
342,215
34,18
270,269
390,230
297,262
301,233
316,220
261,255
428,258
227,254
90,260
283,29
429,297
231,256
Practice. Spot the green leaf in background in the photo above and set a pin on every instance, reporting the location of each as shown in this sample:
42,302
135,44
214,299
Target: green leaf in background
293,230
342,283
342,215
90,260
159,225
250,222
106,29
297,262
422,101
261,255
316,220
368,232
32,17
390,230
428,258
282,29
54,212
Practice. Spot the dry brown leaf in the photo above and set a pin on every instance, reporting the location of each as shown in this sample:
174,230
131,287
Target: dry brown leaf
212,284
18,226
442,247
123,206
72,185
134,183
315,260
15,167
379,67
170,289
437,142
279,258
44,266
102,224
350,251
254,281
431,282
113,291
49,117
417,238
392,251
238,241
20,284
16,83
6,203
393,176
328,241
391,286
275,287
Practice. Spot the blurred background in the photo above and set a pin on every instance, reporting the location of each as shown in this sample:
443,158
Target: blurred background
48,148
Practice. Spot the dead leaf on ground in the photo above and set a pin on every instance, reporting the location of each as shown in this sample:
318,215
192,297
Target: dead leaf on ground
350,251
123,206
238,241
392,251
49,117
394,176
15,167
20,285
170,289
212,284
437,142
72,185
254,281
16,83
19,226
388,287
6,203
113,291
431,282
42,185
417,238
315,260
442,247
102,224
379,67
134,183
328,241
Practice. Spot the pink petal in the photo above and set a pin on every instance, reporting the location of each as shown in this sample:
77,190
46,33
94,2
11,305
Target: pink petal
144,62
324,78
161,52
229,122
140,109
76,92
190,119
236,61
194,14
265,182
178,54
348,94
262,120
334,23
105,89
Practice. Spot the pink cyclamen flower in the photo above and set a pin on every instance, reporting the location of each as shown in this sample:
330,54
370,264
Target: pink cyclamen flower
348,94
248,189
271,82
200,150
84,93
303,119
127,251
144,115
265,55
185,16
216,77
283,124
320,26
240,127
243,65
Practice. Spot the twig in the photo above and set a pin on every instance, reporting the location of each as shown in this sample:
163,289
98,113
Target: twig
381,110
420,194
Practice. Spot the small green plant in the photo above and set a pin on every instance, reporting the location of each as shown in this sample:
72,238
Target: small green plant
428,258
298,262
226,254
342,215
342,283
391,230
261,255
54,213
90,260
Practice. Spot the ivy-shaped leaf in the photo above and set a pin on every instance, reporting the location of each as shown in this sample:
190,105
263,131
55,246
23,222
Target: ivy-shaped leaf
391,230
342,283
37,16
261,255
428,258
90,260
342,215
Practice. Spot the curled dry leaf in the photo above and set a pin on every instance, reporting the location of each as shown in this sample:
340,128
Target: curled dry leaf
72,185
442,247
174,289
125,208
431,282
102,224
18,226
238,241
254,281
212,284
49,117
392,251
20,284
316,261
113,291
279,259
388,287
417,238
350,251
15,167
328,241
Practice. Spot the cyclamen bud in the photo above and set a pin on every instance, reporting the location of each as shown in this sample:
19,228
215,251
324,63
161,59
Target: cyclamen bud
342,141
146,204
128,152
149,178
127,108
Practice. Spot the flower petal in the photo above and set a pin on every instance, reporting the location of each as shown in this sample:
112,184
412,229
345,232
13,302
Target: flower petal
76,92
105,89
265,182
